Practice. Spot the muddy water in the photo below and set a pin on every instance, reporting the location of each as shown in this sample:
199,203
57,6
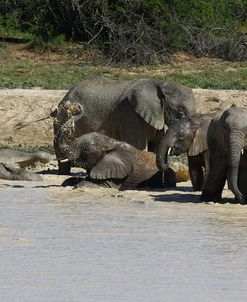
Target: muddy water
59,246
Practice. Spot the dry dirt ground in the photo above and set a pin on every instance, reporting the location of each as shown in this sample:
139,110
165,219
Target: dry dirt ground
20,105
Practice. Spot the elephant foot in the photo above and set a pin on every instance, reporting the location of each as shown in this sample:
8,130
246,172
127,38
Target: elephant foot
197,188
82,182
207,197
241,199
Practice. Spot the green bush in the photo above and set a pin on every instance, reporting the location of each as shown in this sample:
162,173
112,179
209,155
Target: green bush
139,31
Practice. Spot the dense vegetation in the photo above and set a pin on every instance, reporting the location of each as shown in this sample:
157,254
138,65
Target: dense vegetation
138,31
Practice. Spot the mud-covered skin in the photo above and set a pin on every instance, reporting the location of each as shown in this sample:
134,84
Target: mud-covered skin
8,172
113,163
24,159
131,111
188,135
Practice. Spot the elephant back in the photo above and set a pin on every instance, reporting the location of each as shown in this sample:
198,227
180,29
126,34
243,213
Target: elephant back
97,99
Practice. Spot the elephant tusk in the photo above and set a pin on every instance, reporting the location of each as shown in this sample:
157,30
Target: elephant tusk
242,151
64,160
169,151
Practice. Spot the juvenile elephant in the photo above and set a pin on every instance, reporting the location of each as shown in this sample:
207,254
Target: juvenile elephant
8,172
188,135
114,163
227,142
131,111
24,159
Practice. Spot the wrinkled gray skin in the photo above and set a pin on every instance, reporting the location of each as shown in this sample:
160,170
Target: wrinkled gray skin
24,159
131,111
116,164
227,139
188,135
8,172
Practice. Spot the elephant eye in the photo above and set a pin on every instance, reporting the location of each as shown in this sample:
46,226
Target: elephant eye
181,113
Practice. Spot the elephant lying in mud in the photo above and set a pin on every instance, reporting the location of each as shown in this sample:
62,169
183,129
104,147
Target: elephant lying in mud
24,159
227,143
8,172
131,111
113,163
13,162
188,135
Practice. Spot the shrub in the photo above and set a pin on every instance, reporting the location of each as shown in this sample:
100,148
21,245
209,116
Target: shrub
138,31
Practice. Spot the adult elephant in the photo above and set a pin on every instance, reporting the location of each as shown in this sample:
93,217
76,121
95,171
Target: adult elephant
113,163
187,135
131,111
227,142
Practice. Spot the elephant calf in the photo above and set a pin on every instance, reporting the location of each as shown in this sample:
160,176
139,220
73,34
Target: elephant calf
24,159
8,172
187,135
14,162
227,143
117,164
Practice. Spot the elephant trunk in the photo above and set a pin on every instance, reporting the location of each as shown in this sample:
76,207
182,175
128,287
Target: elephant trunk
63,139
162,153
235,147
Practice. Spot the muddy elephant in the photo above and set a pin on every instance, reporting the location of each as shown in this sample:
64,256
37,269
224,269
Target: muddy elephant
24,159
227,143
131,111
188,135
9,172
113,163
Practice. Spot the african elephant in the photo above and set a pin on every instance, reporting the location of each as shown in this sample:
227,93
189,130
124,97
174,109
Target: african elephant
24,159
187,135
131,111
117,164
227,142
8,172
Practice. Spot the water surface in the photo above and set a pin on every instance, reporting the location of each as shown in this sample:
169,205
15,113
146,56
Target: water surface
73,246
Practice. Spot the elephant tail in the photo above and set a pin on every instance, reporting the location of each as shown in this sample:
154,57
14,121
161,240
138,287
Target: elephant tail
21,125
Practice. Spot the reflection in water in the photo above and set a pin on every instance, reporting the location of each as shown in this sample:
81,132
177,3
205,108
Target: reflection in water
66,247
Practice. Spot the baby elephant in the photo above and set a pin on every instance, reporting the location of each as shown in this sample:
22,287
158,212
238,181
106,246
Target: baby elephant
14,162
24,159
117,164
187,135
8,172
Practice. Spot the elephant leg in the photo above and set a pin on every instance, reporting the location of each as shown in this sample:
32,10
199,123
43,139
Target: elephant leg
196,171
88,182
215,180
156,181
5,173
72,181
242,176
64,168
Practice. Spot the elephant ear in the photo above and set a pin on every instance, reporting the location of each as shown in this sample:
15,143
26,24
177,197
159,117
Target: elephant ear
199,143
114,164
146,101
